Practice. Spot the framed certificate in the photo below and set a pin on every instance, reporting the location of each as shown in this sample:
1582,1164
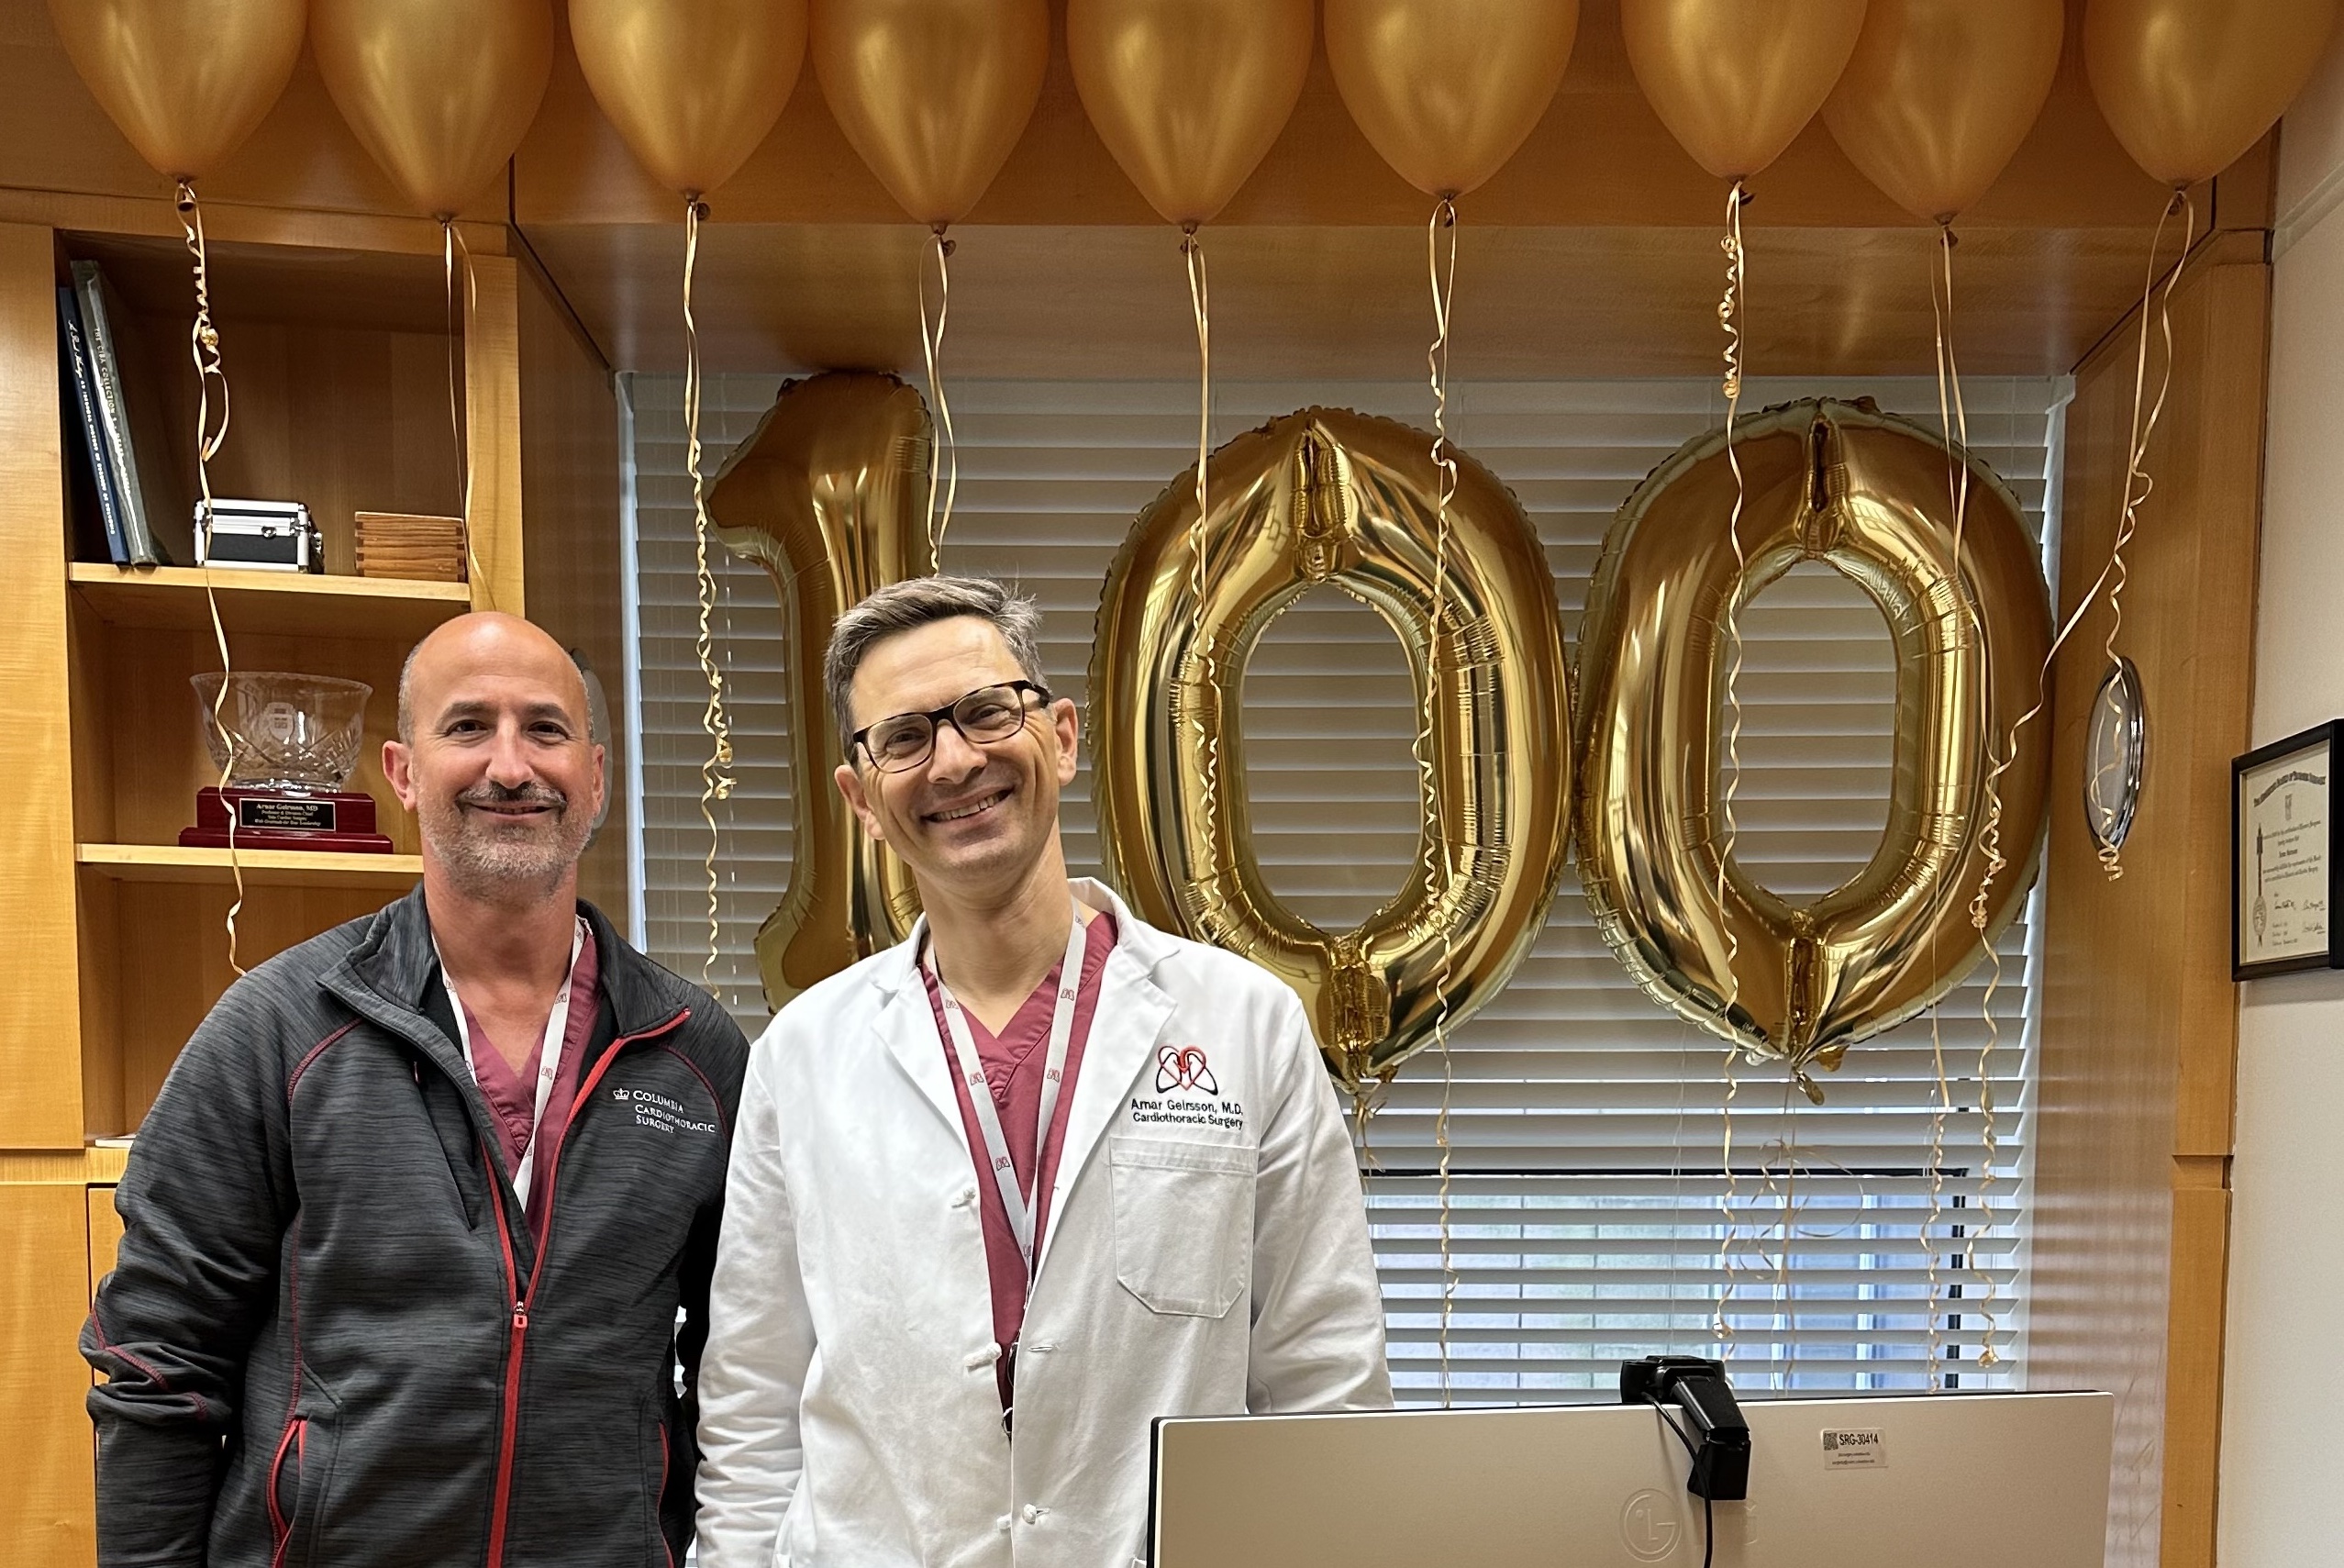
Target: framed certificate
2283,850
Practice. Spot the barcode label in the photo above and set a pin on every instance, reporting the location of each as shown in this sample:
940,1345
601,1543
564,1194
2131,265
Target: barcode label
1858,1450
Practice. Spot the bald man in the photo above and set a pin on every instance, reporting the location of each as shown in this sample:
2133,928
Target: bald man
417,1236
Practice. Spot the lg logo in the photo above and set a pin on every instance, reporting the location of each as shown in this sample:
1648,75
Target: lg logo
1647,1527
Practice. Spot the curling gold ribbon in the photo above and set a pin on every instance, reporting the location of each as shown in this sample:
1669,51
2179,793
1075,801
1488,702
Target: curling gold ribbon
1729,309
2136,482
1440,268
715,776
1953,420
1936,1214
2137,487
1201,634
203,346
1787,1149
943,446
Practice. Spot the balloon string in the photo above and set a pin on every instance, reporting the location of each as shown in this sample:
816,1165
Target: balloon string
715,775
203,347
2136,482
1789,1146
451,242
1440,267
1937,1115
1953,423
1730,308
2136,490
1208,674
943,447
2139,447
1368,1099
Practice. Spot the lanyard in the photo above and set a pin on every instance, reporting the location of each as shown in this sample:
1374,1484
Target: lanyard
557,1025
996,1143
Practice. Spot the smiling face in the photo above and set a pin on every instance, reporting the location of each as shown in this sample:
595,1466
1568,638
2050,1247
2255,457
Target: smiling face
497,758
972,822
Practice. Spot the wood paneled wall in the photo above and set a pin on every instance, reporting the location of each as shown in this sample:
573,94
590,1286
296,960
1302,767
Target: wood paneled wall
2140,1018
570,489
49,1519
40,1090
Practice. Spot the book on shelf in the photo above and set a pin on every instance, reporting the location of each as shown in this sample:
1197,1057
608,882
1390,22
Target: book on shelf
88,475
158,526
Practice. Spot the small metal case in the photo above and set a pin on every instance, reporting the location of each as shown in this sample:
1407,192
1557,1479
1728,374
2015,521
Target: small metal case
265,536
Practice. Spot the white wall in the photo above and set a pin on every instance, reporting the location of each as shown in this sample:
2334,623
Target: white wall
2282,1370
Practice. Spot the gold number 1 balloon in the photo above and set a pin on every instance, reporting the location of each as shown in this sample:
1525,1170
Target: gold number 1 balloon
1866,492
1323,496
830,495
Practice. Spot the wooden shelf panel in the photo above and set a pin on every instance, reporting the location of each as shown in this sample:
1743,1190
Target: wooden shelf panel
262,868
288,604
71,1168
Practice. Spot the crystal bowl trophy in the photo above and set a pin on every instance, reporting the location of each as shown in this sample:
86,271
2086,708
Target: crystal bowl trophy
287,744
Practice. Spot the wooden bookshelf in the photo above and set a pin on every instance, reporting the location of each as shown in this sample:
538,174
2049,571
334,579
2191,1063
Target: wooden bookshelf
338,346
391,874
277,603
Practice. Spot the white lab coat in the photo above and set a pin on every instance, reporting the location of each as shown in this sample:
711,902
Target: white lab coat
1206,1255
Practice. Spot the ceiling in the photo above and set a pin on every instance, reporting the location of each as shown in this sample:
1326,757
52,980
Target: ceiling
1593,253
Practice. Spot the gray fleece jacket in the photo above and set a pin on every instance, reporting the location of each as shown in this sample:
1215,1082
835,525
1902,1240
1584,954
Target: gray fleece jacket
330,1339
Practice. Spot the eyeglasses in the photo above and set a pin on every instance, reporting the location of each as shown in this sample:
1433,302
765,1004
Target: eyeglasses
987,716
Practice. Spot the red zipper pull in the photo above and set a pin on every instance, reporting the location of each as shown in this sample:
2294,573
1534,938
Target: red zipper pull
520,1316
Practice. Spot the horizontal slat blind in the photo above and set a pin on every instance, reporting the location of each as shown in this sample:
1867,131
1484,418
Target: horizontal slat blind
1586,1127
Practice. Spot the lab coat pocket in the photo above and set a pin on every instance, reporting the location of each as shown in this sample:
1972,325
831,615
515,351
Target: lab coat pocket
1184,1223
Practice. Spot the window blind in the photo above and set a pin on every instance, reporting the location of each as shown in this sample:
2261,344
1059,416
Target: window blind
1595,1208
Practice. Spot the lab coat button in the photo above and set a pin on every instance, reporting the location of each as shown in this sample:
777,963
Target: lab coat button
1002,1524
982,1359
966,1197
1034,1514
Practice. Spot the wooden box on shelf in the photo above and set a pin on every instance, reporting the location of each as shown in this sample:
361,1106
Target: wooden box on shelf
402,544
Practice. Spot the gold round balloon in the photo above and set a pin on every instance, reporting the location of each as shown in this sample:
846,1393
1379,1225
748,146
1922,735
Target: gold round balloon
1189,95
692,86
2188,85
1736,80
1445,90
1330,496
1940,94
932,93
829,494
1866,492
440,91
185,80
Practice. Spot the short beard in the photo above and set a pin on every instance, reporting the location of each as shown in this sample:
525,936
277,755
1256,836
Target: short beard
505,865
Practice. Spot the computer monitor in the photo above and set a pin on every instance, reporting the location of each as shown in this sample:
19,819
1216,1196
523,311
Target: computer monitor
1927,1481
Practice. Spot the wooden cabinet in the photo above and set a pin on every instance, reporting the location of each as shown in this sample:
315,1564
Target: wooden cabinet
353,388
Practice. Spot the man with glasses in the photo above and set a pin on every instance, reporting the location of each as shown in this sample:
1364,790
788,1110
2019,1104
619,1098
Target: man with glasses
1005,1193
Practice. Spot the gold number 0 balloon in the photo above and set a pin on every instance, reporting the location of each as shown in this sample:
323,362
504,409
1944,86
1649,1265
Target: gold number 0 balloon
1868,492
1318,497
830,495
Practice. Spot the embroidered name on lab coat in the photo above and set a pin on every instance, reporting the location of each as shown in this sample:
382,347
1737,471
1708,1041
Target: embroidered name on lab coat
1186,1093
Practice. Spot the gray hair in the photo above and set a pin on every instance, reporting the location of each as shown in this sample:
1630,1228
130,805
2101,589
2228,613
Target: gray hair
906,607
